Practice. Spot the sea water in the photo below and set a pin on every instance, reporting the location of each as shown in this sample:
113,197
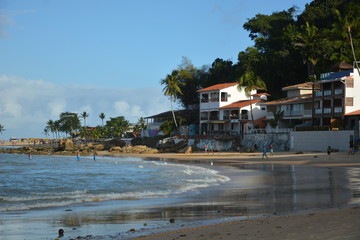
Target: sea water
56,181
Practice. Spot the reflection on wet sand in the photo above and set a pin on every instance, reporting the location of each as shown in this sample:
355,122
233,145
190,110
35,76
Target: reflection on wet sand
255,190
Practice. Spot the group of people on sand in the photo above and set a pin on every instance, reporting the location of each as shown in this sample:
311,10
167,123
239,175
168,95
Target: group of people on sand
208,148
271,150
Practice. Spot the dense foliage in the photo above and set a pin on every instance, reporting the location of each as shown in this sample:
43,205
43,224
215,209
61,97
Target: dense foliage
289,48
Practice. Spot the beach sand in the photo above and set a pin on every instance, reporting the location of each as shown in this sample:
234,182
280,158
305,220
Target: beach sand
330,224
340,223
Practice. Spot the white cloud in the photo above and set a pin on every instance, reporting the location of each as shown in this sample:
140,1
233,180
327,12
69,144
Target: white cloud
26,105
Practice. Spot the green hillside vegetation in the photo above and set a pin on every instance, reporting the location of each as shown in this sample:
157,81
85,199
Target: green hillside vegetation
289,48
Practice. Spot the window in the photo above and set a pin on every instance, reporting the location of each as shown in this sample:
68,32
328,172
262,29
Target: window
349,101
224,97
349,82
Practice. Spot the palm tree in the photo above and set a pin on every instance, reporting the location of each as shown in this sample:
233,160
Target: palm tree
50,126
2,129
251,82
84,115
172,89
102,117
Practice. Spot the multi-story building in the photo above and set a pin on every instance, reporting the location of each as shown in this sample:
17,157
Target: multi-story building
225,109
296,107
338,94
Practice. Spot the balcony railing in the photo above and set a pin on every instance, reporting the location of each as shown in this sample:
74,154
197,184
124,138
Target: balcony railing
204,100
327,110
318,111
318,94
338,91
214,99
338,110
327,92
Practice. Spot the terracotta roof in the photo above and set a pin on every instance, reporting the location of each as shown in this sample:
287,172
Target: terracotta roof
217,87
242,103
300,99
307,85
357,112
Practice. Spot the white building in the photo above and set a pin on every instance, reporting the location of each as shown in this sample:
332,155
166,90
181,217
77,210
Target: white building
225,109
338,95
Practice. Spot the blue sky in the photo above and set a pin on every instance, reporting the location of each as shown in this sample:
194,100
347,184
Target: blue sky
109,55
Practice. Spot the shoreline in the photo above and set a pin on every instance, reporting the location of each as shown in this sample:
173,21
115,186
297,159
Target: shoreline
339,223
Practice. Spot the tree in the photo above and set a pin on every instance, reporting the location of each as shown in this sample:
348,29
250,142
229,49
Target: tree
2,129
278,115
167,127
171,89
69,123
102,117
251,82
85,115
117,126
140,125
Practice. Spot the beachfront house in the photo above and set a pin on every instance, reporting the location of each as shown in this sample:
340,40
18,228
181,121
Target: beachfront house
154,122
337,96
225,109
296,106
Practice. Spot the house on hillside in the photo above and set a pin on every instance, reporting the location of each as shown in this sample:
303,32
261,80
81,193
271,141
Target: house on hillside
296,107
225,109
338,95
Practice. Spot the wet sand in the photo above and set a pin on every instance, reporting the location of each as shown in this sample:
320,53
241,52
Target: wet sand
340,223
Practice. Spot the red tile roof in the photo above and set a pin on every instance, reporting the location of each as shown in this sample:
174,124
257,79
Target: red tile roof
217,87
357,112
242,103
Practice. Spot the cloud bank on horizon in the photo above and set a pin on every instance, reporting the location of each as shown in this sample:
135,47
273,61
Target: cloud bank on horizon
26,105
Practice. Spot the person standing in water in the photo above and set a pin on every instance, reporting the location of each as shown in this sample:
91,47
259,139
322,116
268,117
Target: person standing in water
95,154
78,154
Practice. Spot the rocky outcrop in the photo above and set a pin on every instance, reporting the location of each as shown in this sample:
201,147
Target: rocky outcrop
172,145
133,149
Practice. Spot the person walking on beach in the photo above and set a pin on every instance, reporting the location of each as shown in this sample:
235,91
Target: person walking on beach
329,150
206,148
271,148
264,153
351,147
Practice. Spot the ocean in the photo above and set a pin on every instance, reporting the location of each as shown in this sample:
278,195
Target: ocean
57,181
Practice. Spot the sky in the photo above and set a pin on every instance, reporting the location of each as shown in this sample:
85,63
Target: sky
109,56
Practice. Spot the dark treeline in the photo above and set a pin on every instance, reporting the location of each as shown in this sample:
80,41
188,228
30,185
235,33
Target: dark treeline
289,48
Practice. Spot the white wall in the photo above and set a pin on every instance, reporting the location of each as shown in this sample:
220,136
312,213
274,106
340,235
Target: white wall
320,140
355,93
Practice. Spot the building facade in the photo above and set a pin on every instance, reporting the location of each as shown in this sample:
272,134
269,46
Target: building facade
296,107
337,95
225,109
